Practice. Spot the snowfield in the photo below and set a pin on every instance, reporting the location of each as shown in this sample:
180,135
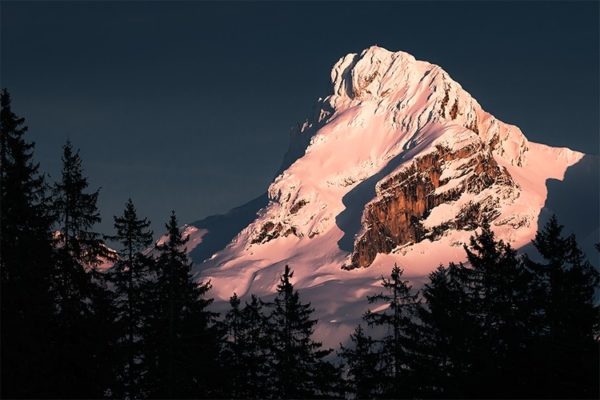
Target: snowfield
387,109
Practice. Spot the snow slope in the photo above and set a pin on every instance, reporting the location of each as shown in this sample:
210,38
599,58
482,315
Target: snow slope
387,111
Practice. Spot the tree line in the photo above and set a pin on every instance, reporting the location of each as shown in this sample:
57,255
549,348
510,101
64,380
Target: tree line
502,325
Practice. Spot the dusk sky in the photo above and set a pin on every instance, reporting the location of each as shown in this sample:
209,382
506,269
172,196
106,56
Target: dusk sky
188,106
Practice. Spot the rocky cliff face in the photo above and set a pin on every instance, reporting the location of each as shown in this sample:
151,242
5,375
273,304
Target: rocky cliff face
405,199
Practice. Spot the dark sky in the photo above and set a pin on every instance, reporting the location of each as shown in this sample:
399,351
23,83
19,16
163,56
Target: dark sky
188,106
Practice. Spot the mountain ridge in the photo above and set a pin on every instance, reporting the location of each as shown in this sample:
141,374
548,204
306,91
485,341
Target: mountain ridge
398,165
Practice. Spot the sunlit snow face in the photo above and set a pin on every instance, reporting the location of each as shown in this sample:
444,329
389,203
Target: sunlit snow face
387,112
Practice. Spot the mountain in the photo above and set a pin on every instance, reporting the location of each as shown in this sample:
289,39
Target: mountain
398,165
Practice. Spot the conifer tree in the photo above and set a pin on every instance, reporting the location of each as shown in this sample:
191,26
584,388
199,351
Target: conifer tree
362,365
443,334
298,365
26,304
182,346
130,276
567,352
257,350
234,355
499,290
397,345
84,304
77,213
248,349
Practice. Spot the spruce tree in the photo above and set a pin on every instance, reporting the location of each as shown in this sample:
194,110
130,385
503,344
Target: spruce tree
26,305
298,361
247,351
257,353
500,302
77,213
233,355
362,364
182,345
397,346
84,304
567,342
130,276
444,334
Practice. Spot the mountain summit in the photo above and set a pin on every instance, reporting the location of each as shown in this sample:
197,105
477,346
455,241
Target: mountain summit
398,165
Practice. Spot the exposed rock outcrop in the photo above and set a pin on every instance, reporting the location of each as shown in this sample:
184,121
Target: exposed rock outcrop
406,198
270,231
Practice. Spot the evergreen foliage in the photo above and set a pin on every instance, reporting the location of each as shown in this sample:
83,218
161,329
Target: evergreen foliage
77,213
84,305
26,305
131,278
248,349
502,326
299,369
499,294
566,350
397,344
270,352
182,339
362,363
445,333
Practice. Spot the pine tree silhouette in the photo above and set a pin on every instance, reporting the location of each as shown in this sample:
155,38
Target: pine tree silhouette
77,213
298,365
234,352
444,334
501,326
397,344
362,363
247,353
26,305
131,275
182,347
257,350
84,304
499,288
567,344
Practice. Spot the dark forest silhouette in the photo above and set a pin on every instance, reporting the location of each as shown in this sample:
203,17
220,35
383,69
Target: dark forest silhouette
502,326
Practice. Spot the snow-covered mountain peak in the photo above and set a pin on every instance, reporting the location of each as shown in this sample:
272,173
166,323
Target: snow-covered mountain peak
394,128
399,164
355,76
413,93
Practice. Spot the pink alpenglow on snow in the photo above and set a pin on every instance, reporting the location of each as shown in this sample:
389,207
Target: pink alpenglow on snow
398,165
